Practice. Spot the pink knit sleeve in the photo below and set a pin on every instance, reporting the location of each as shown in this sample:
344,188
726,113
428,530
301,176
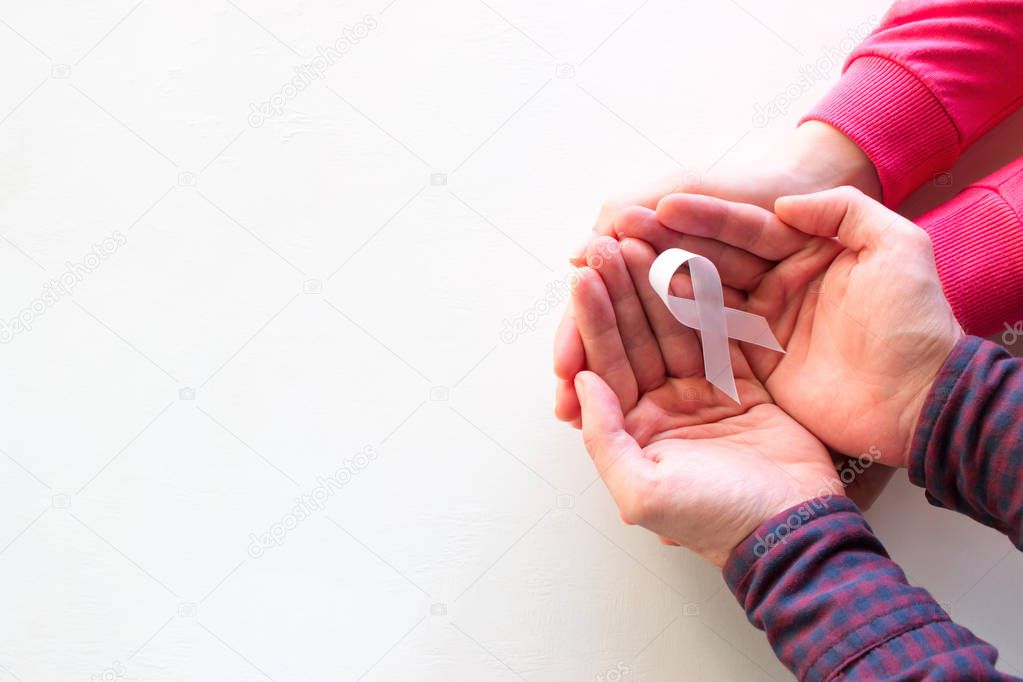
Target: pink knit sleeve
930,80
978,246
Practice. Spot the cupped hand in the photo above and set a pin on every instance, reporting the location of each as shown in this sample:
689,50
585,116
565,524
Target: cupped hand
679,457
850,289
814,157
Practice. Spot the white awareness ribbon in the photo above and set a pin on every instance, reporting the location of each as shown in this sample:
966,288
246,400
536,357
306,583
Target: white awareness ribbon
706,313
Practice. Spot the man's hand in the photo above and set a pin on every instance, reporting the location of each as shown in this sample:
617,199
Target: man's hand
849,288
679,457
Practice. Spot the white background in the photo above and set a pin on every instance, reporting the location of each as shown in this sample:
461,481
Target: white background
338,279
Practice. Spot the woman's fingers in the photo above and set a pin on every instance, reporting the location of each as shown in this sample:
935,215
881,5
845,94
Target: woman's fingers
605,256
679,345
746,227
569,356
602,342
569,360
647,196
566,402
738,268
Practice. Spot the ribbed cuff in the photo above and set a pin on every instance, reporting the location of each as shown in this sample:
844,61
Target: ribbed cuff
978,248
897,122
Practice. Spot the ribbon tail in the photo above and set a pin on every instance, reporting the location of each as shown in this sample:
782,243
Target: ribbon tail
725,382
741,326
710,309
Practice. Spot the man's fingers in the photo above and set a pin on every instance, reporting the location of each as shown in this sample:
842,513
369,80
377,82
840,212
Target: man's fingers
602,341
859,222
616,454
738,268
822,213
605,256
744,226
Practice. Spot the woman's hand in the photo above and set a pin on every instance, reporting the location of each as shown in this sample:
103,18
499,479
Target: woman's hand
814,157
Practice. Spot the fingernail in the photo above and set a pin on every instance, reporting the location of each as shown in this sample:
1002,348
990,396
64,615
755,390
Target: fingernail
578,256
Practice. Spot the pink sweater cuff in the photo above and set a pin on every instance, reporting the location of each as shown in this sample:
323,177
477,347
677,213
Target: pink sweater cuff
896,120
978,246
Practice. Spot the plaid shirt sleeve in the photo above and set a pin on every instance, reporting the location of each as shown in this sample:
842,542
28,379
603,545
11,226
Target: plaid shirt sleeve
816,579
967,451
819,582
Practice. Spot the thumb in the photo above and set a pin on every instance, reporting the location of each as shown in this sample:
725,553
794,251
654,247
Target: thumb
859,222
616,454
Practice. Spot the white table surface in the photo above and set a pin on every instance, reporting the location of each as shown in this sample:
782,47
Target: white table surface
336,281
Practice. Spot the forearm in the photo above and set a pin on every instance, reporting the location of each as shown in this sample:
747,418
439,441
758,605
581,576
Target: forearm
928,82
967,450
832,602
818,156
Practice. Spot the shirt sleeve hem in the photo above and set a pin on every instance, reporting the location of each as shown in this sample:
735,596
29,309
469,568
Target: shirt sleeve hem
775,532
978,249
895,119
937,401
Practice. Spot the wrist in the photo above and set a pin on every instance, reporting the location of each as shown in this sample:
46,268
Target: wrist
777,531
932,358
818,157
907,428
792,510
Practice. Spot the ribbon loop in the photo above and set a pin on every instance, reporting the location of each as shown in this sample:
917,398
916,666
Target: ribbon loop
707,314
